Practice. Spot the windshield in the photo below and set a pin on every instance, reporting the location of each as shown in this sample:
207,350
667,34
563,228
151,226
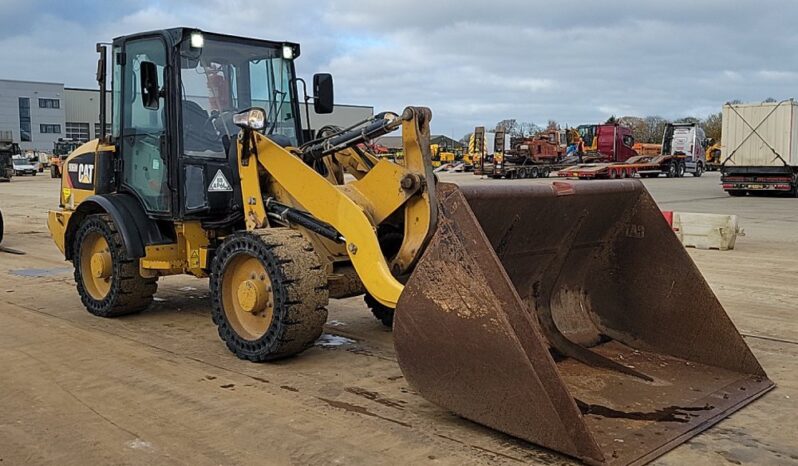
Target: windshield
225,77
21,162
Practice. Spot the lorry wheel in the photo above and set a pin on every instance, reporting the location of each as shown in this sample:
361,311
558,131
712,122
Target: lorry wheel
699,170
673,170
613,174
522,173
545,173
108,282
268,293
534,172
681,170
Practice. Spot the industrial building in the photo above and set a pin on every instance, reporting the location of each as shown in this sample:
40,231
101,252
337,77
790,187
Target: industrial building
39,113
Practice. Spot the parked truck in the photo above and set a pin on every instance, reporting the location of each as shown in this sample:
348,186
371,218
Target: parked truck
607,142
759,148
683,146
8,150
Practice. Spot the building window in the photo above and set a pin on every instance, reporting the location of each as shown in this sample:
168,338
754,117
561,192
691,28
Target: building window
50,129
24,119
77,131
49,103
97,129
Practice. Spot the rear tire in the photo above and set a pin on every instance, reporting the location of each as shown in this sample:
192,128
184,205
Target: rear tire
124,290
289,310
681,170
673,170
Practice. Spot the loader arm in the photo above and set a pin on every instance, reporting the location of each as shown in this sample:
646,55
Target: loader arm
354,209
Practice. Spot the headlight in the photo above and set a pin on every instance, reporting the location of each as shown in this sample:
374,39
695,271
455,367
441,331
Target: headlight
253,118
197,40
288,52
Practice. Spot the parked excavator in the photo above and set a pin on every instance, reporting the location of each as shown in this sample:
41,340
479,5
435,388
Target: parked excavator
585,326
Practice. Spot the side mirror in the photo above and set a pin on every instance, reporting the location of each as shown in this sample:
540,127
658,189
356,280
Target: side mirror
323,100
150,90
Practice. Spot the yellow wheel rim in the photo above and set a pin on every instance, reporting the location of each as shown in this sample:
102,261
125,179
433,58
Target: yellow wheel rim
247,297
96,265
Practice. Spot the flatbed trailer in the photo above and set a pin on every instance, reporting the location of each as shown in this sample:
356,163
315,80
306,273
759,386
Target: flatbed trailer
512,171
645,166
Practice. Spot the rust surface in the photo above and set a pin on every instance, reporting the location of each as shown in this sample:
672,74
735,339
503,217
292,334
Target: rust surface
585,326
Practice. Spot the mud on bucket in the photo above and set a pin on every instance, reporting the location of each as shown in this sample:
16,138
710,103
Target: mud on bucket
569,315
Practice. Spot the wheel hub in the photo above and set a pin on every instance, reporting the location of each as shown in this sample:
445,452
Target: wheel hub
101,264
253,295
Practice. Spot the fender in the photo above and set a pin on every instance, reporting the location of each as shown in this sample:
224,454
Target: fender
130,219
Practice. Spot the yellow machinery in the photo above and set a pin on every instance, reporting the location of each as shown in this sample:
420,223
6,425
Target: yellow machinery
440,155
477,150
713,155
585,327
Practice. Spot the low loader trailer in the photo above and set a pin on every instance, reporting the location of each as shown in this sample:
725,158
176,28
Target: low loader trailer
645,166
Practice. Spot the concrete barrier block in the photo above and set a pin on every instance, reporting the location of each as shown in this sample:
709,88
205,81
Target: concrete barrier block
706,231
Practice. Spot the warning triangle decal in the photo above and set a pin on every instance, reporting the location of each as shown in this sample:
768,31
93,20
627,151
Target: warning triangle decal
219,183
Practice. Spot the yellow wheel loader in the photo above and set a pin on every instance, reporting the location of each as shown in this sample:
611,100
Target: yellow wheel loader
584,327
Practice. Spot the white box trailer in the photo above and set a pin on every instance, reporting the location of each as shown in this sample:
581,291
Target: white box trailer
759,148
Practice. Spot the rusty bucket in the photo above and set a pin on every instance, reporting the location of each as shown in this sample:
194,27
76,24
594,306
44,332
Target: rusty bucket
569,315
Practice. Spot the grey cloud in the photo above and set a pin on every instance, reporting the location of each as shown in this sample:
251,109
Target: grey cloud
472,62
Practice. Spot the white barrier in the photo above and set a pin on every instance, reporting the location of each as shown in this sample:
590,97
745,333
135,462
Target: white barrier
706,231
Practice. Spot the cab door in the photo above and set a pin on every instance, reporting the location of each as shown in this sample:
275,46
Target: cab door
143,136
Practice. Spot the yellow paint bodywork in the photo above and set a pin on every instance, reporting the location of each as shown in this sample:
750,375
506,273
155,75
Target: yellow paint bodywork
354,209
380,190
188,255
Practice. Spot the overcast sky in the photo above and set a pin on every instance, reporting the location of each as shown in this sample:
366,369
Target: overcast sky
474,62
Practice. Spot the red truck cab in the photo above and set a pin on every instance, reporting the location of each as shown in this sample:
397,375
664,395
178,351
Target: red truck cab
614,142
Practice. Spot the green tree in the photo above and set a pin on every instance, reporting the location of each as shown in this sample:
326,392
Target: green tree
712,126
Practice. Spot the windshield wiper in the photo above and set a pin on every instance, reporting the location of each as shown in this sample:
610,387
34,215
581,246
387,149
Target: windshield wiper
278,110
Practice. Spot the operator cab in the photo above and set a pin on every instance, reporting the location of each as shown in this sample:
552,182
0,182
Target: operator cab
175,93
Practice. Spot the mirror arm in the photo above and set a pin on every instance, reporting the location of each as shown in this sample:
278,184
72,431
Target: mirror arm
307,107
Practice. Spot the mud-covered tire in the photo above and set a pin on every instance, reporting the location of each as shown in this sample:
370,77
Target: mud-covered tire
299,293
129,292
381,312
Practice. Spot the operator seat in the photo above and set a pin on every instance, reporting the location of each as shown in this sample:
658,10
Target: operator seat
199,135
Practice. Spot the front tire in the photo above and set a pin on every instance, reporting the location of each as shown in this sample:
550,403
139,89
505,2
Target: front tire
108,282
269,294
699,170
